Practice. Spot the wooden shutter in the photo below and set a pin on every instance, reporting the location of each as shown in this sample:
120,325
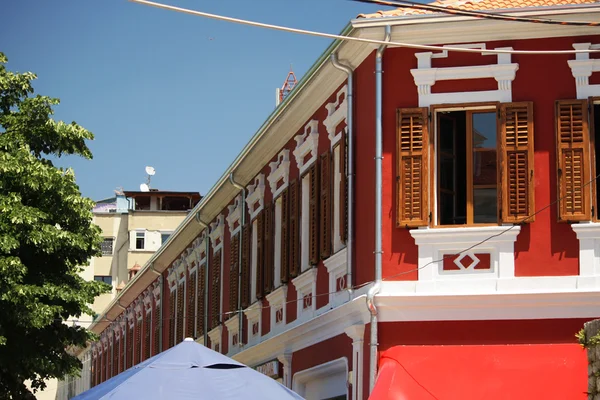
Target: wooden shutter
180,316
156,330
234,262
147,335
573,160
412,179
215,293
109,359
294,229
285,236
313,214
246,260
200,301
172,316
325,234
191,297
130,343
260,253
343,210
268,249
138,341
516,162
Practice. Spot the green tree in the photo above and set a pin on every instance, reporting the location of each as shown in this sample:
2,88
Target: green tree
46,235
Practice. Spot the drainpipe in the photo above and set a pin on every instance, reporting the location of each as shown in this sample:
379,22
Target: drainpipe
206,251
349,167
160,311
378,190
240,253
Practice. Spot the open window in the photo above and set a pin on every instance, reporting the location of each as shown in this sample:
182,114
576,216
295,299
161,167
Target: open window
481,159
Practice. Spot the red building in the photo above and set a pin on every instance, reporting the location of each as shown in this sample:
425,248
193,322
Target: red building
446,198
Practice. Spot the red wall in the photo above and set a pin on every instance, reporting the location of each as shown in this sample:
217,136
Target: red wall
543,247
320,353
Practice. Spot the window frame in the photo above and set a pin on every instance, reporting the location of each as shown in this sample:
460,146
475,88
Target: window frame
434,210
103,279
595,204
143,238
112,246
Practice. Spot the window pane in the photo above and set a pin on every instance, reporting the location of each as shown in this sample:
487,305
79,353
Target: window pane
485,205
484,130
102,278
164,237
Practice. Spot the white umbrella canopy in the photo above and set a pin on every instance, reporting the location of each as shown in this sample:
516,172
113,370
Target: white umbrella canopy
190,371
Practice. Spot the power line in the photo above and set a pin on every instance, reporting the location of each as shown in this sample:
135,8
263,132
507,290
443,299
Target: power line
351,38
476,14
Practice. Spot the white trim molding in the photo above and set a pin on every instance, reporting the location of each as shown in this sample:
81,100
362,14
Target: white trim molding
216,232
286,361
148,295
254,318
582,68
280,172
277,302
130,316
215,338
356,333
306,289
589,248
504,72
156,293
336,266
172,278
437,244
200,340
256,196
337,112
234,215
139,303
322,372
307,145
233,334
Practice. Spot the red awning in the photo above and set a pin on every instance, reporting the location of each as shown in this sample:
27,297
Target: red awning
494,372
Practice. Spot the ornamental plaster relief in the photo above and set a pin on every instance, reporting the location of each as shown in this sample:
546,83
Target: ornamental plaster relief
256,196
234,215
337,112
582,68
280,173
217,229
306,146
504,72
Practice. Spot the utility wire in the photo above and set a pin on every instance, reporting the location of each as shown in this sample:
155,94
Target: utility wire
476,14
355,39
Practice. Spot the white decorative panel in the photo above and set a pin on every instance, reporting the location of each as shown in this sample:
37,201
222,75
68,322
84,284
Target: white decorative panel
280,172
307,145
337,112
582,68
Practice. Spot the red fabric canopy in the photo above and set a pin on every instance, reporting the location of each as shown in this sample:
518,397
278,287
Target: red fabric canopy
509,372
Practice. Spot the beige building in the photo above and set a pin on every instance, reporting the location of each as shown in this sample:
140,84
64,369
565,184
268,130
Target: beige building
134,225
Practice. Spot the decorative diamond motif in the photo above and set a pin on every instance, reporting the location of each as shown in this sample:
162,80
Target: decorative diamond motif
470,261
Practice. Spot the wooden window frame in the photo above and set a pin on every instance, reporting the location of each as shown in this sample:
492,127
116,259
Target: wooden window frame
469,108
593,100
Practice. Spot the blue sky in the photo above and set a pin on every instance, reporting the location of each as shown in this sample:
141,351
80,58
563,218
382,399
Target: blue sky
178,92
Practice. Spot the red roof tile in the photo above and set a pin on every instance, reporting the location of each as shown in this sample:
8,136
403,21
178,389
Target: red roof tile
475,5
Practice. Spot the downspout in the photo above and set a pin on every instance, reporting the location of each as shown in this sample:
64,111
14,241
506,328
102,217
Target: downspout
206,251
378,192
349,167
160,311
240,253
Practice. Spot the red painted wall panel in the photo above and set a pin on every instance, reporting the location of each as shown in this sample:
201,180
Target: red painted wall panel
553,372
544,247
320,353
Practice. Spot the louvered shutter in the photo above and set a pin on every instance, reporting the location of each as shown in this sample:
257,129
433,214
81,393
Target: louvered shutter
285,230
180,315
234,259
325,234
156,330
138,341
109,360
516,162
412,180
115,363
573,160
147,335
246,240
130,345
215,293
268,249
191,297
313,212
260,253
343,210
172,316
200,301
294,229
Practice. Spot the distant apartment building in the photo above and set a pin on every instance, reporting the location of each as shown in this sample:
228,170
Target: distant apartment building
134,225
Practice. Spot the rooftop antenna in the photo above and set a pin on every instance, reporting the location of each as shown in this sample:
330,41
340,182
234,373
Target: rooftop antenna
289,84
145,187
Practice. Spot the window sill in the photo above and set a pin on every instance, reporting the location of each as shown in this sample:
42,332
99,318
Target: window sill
306,287
233,327
253,315
493,258
336,266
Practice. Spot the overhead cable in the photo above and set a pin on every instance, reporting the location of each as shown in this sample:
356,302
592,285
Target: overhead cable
355,39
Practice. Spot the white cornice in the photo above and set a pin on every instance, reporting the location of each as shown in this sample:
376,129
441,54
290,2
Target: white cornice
582,68
234,215
216,232
256,196
280,171
337,112
307,145
156,293
172,278
148,295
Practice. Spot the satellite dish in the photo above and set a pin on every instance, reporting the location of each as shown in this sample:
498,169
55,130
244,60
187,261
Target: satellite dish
144,187
150,171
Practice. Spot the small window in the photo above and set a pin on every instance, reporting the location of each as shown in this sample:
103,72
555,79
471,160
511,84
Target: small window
107,246
103,278
142,203
140,238
164,237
